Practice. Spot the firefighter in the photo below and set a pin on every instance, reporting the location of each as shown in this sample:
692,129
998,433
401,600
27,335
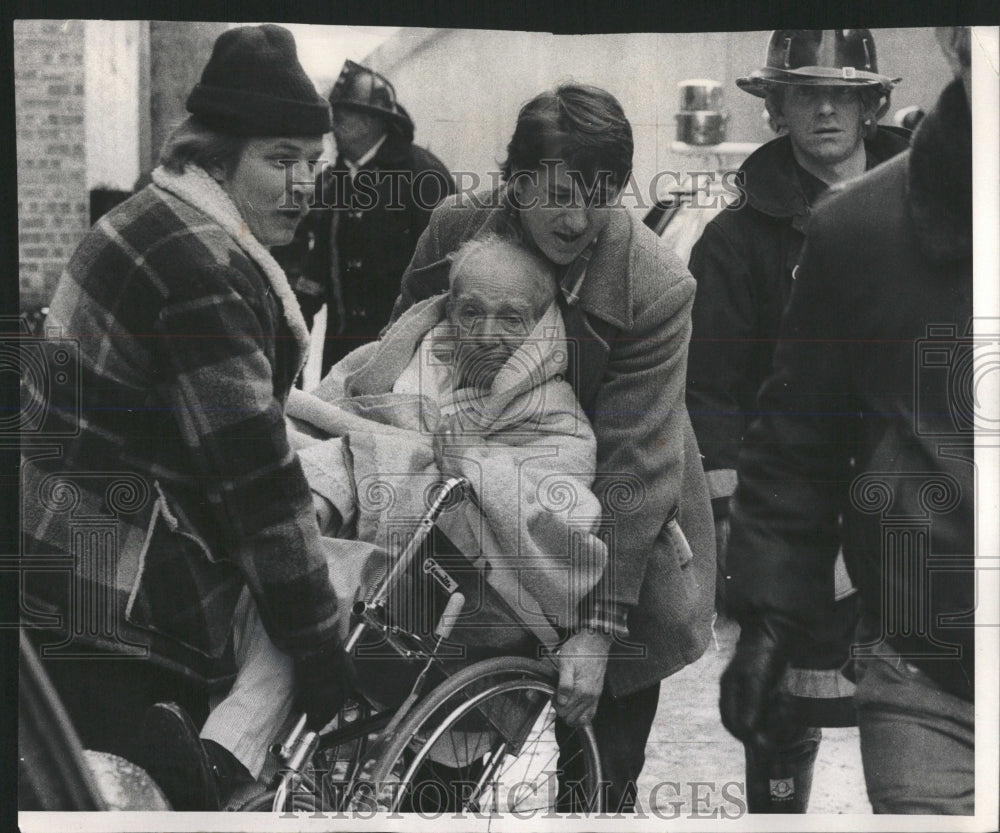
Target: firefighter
824,94
372,205
879,330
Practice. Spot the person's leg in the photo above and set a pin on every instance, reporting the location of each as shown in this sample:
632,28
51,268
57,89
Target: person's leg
917,741
217,768
106,697
815,692
780,780
622,728
248,719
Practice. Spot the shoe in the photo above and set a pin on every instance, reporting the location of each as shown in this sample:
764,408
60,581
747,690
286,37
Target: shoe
233,781
176,759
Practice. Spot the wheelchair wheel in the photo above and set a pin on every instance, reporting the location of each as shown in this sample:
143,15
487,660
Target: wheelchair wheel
484,741
264,803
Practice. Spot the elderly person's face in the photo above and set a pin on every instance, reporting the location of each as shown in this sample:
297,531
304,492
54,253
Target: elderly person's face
494,304
555,213
270,206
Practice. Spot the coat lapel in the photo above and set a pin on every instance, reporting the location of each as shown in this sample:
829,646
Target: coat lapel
607,289
604,309
588,353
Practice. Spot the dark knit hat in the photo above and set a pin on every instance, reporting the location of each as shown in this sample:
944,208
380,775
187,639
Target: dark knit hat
254,85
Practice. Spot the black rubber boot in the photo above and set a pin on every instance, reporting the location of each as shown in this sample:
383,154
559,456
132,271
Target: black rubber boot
780,781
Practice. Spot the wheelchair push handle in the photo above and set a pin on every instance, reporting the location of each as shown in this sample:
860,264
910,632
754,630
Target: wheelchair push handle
451,491
451,612
297,746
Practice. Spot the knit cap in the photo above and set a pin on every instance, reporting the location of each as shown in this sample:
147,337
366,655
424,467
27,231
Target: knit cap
254,85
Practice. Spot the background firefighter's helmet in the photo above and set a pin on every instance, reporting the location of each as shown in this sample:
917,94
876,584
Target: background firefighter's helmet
361,88
828,57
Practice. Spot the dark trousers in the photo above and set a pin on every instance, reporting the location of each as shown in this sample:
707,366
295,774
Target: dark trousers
622,729
918,741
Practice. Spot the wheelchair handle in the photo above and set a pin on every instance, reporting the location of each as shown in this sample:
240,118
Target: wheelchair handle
282,751
451,485
298,747
451,612
377,597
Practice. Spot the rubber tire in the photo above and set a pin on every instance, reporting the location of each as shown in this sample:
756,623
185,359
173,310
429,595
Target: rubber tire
541,676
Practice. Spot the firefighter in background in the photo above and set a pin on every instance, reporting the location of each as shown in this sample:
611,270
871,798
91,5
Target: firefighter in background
372,206
824,94
879,330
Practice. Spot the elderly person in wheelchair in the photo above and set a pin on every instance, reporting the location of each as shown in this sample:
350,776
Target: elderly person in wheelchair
468,385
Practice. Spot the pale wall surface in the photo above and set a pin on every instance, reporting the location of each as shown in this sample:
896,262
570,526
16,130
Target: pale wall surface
113,102
464,87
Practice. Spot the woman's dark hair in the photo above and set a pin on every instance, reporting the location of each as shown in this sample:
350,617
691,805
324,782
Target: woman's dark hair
194,142
582,125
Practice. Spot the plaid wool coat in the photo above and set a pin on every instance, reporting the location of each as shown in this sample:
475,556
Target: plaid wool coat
173,484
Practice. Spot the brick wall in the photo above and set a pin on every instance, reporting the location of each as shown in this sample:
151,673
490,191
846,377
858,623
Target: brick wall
52,201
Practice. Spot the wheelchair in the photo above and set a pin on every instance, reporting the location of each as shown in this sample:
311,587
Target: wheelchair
459,734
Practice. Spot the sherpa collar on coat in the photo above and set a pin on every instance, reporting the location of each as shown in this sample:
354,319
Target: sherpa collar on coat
198,189
940,178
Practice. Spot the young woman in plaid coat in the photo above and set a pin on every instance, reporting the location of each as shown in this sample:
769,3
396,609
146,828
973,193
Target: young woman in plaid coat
173,490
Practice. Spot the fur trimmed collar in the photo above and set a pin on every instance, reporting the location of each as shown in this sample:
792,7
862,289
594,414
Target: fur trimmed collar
198,189
940,178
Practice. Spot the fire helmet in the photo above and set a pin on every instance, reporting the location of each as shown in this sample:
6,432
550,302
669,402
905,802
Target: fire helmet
361,88
827,57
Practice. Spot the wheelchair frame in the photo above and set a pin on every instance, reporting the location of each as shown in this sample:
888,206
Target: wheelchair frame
368,770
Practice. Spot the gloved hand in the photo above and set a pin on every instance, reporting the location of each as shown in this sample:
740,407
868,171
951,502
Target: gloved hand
751,704
324,679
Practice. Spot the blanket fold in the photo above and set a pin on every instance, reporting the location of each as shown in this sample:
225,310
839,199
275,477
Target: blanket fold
524,446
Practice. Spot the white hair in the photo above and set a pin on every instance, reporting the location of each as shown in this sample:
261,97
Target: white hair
496,246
